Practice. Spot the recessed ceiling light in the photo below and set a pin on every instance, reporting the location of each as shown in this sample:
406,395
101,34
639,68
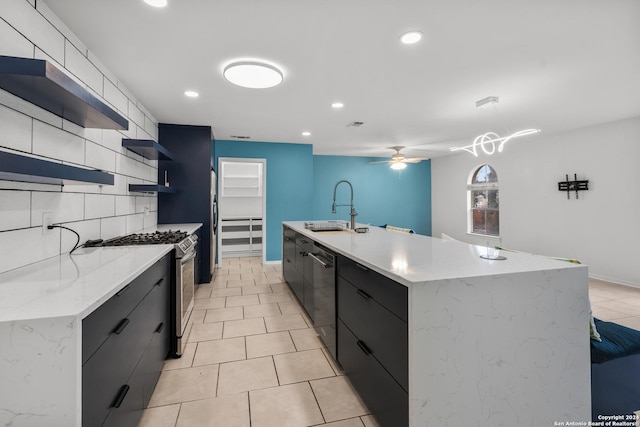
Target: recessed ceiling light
156,3
253,74
411,37
306,133
337,105
191,93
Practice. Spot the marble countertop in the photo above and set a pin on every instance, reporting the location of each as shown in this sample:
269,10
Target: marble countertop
75,285
413,258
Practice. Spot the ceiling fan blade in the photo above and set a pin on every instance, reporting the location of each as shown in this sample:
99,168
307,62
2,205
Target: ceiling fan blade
381,161
414,159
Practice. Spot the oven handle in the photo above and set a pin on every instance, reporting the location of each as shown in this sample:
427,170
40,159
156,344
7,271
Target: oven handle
188,258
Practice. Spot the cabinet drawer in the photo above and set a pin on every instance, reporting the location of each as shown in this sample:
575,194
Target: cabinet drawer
385,291
108,369
97,326
384,333
388,402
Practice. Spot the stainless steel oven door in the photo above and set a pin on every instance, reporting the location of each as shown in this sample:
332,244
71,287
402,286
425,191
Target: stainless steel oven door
185,289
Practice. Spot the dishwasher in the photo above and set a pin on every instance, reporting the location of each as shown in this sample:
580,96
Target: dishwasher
324,296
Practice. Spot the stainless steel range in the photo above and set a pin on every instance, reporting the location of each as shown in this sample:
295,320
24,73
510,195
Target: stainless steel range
182,299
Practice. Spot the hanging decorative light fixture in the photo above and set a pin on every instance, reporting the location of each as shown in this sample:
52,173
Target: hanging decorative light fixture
490,142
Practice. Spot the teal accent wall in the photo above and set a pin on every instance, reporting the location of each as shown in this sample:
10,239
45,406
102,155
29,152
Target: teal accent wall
289,183
381,195
300,187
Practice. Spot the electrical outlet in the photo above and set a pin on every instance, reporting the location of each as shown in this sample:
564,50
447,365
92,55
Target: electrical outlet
47,220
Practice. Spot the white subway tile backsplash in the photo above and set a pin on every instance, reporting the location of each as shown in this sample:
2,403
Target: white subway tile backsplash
135,223
30,29
65,207
135,114
150,220
127,166
99,206
101,67
119,186
113,227
151,127
59,25
99,157
28,109
112,139
125,205
52,142
13,205
79,65
26,246
23,17
115,97
16,129
86,229
12,43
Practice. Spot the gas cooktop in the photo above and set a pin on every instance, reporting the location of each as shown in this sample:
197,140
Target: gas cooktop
157,238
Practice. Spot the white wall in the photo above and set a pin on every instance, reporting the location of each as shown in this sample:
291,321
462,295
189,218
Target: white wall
601,228
29,29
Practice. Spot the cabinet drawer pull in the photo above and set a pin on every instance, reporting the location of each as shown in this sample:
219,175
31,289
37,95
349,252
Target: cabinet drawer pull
159,282
120,397
361,267
123,324
363,294
123,290
363,347
160,327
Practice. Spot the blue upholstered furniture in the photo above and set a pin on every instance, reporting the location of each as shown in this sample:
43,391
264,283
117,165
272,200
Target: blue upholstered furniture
615,370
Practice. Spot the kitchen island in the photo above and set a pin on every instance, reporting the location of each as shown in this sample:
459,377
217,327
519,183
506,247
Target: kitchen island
489,342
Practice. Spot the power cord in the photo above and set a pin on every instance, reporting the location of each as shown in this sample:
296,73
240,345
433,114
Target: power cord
51,227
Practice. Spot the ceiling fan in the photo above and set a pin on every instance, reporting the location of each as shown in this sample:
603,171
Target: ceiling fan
398,160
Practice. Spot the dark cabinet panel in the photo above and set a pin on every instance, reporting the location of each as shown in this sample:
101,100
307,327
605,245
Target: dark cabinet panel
106,318
190,175
118,378
384,333
388,402
385,291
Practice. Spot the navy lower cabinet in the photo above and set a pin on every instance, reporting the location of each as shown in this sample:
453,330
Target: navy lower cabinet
125,342
372,342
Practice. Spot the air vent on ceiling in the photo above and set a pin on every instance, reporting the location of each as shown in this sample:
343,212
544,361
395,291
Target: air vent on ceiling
355,124
240,137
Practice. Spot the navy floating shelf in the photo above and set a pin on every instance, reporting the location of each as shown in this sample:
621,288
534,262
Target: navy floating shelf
38,81
150,188
147,148
14,167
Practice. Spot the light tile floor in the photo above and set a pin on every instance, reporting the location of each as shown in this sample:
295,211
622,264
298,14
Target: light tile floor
615,303
253,360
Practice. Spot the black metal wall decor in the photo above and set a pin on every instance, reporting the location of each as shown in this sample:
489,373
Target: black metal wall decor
574,185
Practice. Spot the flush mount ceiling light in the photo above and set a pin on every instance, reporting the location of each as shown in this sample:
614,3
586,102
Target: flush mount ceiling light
253,74
411,37
191,93
487,141
306,133
156,3
337,105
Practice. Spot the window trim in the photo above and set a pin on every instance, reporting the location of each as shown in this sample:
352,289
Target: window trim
471,187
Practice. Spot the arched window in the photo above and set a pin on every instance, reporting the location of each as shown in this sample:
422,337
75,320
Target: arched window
484,201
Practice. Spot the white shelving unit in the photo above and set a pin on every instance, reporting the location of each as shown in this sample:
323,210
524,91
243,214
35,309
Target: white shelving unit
241,208
241,237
